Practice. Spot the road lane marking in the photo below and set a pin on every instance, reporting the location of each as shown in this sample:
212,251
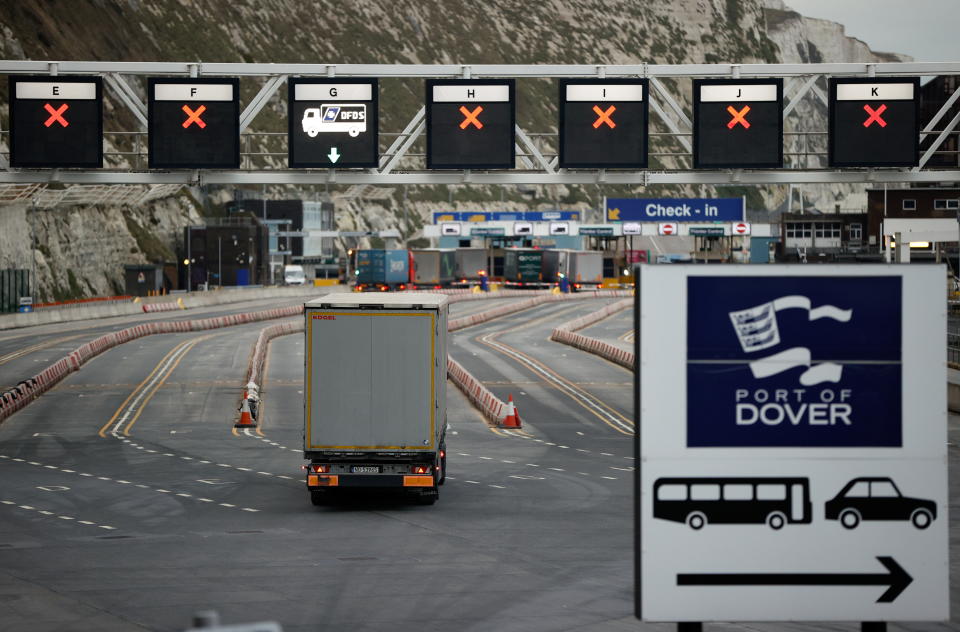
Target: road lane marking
46,512
144,392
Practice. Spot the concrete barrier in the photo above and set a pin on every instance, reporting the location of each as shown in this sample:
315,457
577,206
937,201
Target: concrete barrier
565,334
28,390
158,304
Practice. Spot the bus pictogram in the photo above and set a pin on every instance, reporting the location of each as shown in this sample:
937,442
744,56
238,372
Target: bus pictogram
735,500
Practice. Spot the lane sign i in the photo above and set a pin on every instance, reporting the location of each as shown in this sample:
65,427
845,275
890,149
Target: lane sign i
667,228
791,444
56,122
470,124
603,123
193,123
738,123
874,122
741,228
333,123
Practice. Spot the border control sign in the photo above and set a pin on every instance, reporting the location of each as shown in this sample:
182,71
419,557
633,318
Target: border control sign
791,444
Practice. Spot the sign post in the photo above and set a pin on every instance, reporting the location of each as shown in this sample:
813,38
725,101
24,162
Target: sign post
56,122
193,123
603,123
738,123
332,123
874,122
470,124
791,444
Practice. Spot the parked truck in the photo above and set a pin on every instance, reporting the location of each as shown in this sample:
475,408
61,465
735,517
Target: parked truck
382,270
523,267
375,380
433,268
471,264
582,268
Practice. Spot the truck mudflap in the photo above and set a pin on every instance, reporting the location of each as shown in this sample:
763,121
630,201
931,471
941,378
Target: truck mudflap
326,481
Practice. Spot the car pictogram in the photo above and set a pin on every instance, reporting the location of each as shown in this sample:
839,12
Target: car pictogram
878,498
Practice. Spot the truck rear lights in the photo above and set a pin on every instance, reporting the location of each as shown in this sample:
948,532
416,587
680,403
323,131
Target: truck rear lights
320,468
420,469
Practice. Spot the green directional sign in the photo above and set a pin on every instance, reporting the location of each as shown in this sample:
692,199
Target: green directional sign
706,231
487,231
598,231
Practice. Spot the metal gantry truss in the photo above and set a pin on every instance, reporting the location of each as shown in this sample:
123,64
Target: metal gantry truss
538,164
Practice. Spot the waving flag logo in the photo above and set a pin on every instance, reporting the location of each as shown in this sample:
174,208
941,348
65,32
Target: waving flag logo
757,330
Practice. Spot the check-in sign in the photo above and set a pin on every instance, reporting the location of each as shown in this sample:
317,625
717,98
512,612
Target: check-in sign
791,444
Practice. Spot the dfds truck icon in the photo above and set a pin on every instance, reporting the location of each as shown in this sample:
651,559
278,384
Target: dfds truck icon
346,117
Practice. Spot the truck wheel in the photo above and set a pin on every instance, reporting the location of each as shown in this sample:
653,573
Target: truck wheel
443,469
319,498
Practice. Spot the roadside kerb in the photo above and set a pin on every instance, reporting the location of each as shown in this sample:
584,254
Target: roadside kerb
28,390
565,334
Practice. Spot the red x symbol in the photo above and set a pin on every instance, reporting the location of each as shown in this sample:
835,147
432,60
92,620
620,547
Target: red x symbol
738,117
55,115
471,117
875,115
194,117
604,116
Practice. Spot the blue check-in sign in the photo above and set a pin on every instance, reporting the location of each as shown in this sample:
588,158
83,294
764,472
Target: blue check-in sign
675,209
794,361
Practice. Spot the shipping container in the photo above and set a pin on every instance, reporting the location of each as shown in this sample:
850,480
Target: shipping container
375,380
432,267
382,269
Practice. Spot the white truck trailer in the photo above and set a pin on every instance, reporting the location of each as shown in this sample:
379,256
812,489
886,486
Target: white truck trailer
375,380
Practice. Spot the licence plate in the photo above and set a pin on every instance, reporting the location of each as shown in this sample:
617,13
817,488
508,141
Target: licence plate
365,469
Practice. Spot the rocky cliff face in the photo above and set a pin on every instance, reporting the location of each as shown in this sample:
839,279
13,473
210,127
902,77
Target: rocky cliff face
375,31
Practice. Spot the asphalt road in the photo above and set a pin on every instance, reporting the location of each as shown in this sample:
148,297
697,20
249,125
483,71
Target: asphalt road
128,502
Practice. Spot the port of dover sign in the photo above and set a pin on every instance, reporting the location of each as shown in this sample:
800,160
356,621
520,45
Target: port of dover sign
792,444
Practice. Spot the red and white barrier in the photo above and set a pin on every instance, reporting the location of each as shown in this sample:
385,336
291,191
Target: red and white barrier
491,407
565,334
28,390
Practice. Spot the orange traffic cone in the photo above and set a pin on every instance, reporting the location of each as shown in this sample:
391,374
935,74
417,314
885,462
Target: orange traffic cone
512,420
246,419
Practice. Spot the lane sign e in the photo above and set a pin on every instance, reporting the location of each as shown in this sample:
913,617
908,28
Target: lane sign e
470,124
807,476
738,123
193,123
603,123
56,122
741,228
333,123
874,122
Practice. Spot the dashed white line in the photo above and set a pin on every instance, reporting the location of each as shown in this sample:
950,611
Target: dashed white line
610,478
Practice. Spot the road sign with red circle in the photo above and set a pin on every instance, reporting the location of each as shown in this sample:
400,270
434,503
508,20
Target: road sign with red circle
741,228
668,228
